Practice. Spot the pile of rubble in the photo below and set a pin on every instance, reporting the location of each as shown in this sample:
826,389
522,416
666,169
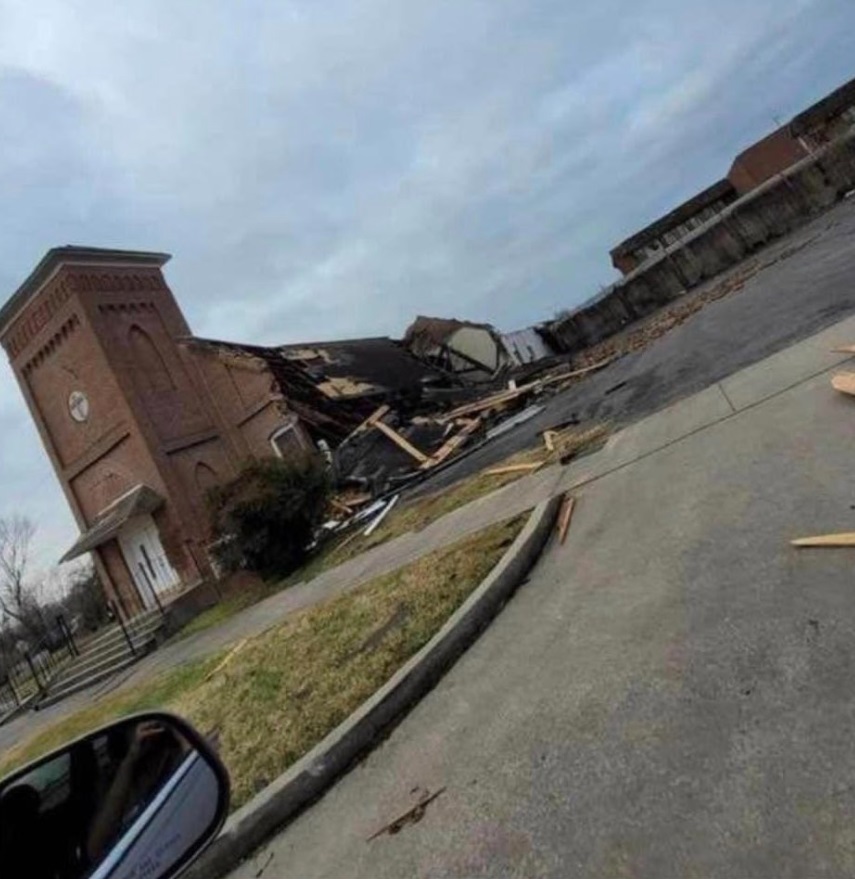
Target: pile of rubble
389,450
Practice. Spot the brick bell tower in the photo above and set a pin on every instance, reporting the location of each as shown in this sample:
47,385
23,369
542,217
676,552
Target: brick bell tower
124,413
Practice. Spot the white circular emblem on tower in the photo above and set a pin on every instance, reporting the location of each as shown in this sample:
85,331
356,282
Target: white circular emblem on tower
78,406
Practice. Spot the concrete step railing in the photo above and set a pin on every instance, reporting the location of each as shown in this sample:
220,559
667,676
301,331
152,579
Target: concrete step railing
106,655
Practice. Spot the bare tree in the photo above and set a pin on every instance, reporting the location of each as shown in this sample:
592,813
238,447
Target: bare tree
17,599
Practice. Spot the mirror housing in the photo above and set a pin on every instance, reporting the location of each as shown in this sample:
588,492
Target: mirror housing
137,799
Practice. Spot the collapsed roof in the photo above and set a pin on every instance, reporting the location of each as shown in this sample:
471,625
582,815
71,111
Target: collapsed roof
333,386
425,334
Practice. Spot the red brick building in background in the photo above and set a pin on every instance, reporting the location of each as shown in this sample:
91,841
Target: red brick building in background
812,129
135,429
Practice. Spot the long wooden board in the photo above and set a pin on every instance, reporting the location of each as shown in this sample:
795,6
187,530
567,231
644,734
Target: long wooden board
844,382
513,468
369,422
846,538
498,399
396,438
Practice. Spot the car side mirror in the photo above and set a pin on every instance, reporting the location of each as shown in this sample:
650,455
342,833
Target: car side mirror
138,799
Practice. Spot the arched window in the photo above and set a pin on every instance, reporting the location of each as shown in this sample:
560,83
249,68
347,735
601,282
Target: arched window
153,373
205,476
288,439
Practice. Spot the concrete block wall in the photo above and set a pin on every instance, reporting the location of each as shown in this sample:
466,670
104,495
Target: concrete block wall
774,209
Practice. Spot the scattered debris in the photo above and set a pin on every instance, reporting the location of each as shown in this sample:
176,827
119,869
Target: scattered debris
844,382
564,517
412,816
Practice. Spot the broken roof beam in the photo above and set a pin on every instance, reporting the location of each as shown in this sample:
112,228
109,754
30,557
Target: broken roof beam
369,422
401,442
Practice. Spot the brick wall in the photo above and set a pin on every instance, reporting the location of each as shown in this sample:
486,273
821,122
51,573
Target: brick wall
765,159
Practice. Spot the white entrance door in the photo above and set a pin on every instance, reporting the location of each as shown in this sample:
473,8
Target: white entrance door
146,559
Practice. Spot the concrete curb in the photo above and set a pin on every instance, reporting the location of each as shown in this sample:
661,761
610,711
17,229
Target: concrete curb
310,777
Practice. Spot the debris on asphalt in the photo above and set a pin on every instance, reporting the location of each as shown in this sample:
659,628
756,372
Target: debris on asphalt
844,382
847,538
394,447
564,517
412,816
260,871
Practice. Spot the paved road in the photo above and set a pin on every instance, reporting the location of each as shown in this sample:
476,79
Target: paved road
798,294
672,692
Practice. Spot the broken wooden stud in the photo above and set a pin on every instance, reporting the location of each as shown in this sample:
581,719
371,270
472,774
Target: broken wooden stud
847,538
844,382
564,517
513,468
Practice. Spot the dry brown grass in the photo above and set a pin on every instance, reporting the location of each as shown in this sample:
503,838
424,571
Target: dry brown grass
287,688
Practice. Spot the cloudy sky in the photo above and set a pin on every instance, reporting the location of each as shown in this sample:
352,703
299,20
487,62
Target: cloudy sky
323,169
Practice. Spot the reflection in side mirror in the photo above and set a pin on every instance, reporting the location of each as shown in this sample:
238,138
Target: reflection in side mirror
135,800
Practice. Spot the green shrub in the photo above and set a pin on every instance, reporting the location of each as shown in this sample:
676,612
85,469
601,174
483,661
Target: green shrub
264,519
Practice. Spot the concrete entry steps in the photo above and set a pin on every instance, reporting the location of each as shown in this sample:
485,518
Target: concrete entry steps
106,655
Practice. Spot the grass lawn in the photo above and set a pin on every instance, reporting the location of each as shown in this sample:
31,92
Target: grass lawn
272,698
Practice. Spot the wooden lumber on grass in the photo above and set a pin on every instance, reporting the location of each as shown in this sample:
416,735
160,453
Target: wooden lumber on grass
564,517
402,443
844,349
844,382
513,468
847,538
